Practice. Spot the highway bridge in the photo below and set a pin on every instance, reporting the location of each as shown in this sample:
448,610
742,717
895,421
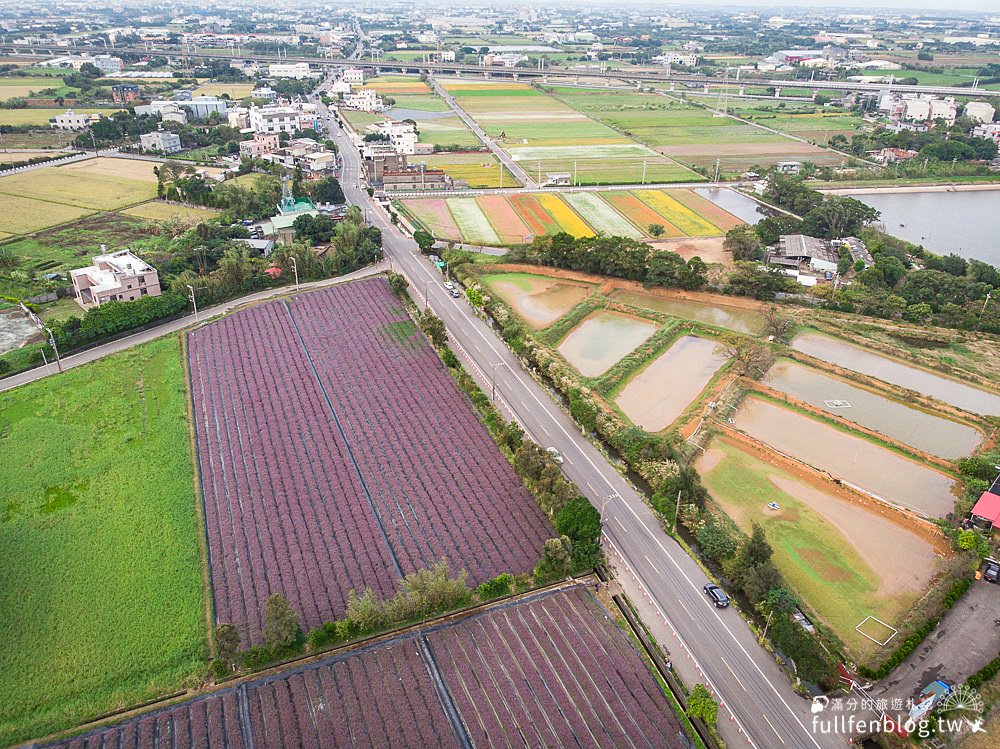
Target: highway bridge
637,76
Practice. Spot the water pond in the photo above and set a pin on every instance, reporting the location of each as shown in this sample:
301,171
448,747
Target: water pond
602,339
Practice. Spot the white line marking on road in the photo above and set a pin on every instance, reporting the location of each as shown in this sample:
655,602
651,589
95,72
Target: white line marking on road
652,565
685,608
735,677
774,729
620,525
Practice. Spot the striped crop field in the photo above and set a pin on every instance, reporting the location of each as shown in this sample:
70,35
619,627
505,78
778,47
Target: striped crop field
564,215
677,214
472,222
600,214
640,214
518,218
534,216
505,219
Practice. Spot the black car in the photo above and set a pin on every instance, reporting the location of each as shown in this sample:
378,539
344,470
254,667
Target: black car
714,592
992,573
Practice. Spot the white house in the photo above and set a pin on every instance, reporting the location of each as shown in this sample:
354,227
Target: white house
353,76
273,119
402,135
297,70
365,99
161,141
70,120
980,111
115,277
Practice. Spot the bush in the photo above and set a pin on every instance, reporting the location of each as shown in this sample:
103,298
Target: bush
115,317
499,586
317,638
984,674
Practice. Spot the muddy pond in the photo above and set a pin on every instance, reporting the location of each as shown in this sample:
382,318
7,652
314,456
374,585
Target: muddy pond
875,469
911,426
733,318
538,300
867,362
602,339
655,397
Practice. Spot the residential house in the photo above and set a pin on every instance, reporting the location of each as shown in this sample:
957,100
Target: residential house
297,70
274,119
991,131
160,141
115,277
262,144
353,76
980,111
70,120
123,93
266,93
365,100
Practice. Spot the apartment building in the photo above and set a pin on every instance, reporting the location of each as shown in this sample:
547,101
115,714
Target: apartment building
364,99
297,70
353,76
262,144
70,120
115,277
160,141
980,111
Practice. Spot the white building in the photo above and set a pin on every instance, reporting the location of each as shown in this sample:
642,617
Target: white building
115,277
274,119
990,130
297,70
266,93
916,110
203,106
161,141
105,63
353,76
677,58
402,136
70,120
980,111
166,110
365,99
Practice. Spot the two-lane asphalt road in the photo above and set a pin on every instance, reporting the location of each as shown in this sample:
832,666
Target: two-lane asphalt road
706,644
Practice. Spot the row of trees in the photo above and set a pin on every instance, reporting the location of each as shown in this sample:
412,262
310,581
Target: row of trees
621,257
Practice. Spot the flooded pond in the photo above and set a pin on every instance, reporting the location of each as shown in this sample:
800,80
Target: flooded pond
656,396
733,318
911,426
602,339
744,208
875,469
853,357
539,300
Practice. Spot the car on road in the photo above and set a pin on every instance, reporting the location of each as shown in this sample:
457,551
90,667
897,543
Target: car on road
555,455
992,573
449,285
455,293
714,592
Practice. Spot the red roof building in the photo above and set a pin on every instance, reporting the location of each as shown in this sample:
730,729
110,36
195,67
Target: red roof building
988,508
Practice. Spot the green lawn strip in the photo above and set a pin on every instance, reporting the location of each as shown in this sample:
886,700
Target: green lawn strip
554,333
612,381
101,598
792,405
821,564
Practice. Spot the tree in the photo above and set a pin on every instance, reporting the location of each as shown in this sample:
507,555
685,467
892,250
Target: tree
475,297
702,705
281,623
227,644
398,283
776,324
327,190
656,230
557,557
743,243
433,327
756,549
838,217
748,354
579,520
365,613
424,240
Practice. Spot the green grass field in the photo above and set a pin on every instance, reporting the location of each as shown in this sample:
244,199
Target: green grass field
41,116
480,169
811,549
101,596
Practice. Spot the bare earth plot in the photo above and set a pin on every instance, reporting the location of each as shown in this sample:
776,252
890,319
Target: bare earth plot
550,670
336,452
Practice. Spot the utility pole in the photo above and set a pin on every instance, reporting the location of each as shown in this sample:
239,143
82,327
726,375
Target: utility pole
500,164
677,510
493,379
52,342
604,504
295,269
575,183
194,304
426,281
983,310
766,625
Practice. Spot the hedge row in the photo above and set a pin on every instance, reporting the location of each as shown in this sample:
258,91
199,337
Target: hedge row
911,643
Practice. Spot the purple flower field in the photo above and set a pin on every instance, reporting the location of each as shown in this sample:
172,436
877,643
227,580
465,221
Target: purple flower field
553,670
336,452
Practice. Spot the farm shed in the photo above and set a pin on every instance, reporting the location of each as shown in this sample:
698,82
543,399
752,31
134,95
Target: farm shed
988,508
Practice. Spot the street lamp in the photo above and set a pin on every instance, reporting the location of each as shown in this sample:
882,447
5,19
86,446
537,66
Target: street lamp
295,270
52,342
604,504
193,302
426,300
493,378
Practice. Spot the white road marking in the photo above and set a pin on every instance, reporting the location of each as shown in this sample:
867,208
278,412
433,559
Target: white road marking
775,729
652,565
735,677
685,608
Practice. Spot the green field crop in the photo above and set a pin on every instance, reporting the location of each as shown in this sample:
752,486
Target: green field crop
101,594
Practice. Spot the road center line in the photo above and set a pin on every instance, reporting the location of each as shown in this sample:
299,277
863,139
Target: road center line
773,729
735,677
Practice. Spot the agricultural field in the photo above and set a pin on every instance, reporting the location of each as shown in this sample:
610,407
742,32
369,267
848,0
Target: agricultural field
847,561
354,421
234,90
24,87
55,195
689,134
512,219
478,169
157,210
102,558
41,117
817,124
546,136
548,670
539,300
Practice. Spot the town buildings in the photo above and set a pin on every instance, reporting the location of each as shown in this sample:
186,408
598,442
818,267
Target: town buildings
123,93
116,277
160,141
70,120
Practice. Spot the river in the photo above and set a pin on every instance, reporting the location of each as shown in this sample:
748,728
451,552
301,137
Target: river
965,222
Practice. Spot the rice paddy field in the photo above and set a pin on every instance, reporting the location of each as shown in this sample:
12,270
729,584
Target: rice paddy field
689,134
846,561
547,136
49,196
26,86
101,596
817,124
517,218
234,90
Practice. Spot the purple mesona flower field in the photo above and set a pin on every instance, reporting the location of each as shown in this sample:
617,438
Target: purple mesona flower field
336,452
551,670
